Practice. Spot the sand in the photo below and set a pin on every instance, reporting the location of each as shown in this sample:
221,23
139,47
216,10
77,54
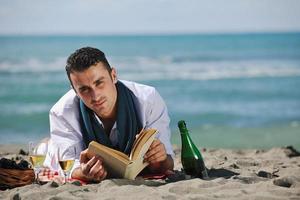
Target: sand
235,174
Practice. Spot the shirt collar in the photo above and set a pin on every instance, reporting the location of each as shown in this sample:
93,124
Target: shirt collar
99,120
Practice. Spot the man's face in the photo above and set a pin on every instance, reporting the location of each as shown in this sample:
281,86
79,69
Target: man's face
96,87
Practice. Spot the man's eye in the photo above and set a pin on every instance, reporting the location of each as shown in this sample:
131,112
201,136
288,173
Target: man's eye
99,83
83,90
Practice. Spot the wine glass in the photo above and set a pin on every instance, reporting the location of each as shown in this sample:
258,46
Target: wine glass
37,155
66,159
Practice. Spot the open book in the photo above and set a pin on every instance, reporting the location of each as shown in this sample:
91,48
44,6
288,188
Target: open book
118,164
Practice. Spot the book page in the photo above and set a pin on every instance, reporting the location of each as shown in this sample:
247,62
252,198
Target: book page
134,168
120,155
114,161
142,143
137,139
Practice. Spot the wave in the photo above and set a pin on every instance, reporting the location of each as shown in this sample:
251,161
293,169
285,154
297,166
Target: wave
33,65
234,57
24,109
164,68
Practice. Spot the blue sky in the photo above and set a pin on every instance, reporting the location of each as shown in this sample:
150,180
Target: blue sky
147,16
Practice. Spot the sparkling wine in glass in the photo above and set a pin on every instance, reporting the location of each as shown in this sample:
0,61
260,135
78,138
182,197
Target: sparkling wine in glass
66,159
37,158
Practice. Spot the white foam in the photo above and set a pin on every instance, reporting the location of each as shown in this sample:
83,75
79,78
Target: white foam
33,65
25,108
162,68
166,70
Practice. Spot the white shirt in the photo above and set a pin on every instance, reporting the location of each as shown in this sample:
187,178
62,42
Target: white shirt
65,129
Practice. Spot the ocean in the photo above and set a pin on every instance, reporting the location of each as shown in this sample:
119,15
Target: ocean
233,90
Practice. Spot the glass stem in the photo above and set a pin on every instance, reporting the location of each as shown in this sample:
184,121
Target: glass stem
36,171
65,173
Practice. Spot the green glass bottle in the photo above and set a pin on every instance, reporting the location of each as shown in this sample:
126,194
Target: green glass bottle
192,161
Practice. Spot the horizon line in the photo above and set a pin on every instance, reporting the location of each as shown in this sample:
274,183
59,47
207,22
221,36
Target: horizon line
148,34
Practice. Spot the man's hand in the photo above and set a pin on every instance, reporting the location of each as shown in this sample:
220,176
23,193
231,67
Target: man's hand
157,157
156,152
90,169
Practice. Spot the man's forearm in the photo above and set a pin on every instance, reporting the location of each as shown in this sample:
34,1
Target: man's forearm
163,166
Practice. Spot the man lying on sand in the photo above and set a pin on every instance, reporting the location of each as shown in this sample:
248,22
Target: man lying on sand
102,108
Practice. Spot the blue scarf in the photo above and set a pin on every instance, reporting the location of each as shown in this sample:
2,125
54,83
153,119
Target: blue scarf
128,122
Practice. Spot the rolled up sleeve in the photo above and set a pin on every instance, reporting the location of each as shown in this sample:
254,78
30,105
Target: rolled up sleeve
158,118
62,135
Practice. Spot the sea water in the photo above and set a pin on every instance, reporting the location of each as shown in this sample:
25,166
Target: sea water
233,90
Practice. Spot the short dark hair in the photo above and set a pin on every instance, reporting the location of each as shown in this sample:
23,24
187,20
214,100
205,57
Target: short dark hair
84,58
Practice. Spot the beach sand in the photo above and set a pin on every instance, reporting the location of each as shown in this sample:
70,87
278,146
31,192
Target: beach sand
235,174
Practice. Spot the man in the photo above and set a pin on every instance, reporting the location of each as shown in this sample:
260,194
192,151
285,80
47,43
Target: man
109,111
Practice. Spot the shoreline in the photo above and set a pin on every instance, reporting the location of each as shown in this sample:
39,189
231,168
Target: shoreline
14,148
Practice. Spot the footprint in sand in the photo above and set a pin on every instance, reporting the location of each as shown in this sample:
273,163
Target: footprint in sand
265,174
286,181
247,163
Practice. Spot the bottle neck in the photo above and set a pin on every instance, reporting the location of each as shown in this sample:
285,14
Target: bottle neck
184,132
182,128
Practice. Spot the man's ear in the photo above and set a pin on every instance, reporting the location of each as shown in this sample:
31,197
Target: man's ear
114,75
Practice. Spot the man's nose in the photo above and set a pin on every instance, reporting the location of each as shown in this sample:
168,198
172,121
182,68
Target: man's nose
95,95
